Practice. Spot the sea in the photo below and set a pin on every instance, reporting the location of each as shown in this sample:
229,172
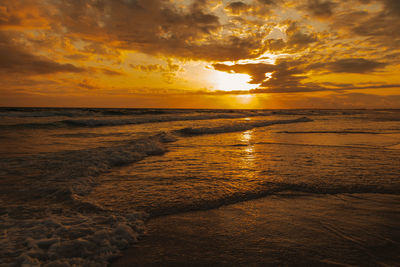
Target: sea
78,185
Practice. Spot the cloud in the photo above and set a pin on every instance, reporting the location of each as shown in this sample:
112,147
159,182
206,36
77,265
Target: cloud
354,65
270,2
379,24
168,71
237,8
157,27
111,72
297,39
8,19
292,75
16,60
285,76
321,36
320,8
87,85
256,71
392,7
170,67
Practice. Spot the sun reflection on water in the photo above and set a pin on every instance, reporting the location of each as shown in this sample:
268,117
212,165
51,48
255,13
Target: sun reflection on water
249,153
246,136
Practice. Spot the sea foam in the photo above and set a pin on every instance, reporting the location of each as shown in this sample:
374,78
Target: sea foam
69,231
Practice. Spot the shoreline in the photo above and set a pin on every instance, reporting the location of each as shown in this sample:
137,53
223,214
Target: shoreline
281,229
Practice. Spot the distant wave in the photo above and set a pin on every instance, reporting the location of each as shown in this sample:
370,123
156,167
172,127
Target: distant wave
109,112
112,112
129,121
89,135
237,127
333,132
78,112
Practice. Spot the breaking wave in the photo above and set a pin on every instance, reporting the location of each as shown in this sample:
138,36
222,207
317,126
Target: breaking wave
53,224
67,230
70,239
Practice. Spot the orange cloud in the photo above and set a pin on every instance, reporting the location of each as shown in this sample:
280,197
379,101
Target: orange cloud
128,46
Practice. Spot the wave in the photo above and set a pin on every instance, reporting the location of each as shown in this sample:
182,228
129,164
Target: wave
75,123
110,112
61,174
89,135
353,146
69,238
67,230
78,112
237,127
274,188
333,132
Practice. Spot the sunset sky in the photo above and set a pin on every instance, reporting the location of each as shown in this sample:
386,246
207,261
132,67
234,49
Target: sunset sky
200,54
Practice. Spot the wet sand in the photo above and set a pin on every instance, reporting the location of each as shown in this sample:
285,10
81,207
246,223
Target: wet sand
286,229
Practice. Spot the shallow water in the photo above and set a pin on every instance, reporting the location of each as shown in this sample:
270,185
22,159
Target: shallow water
113,168
287,229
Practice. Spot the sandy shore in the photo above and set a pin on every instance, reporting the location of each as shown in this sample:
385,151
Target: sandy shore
286,229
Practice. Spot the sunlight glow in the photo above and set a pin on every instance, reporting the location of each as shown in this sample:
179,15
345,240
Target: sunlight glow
233,82
244,99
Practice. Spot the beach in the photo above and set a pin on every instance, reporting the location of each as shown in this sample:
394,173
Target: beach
287,229
83,187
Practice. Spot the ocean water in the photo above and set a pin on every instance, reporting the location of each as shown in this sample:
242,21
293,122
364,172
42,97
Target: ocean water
77,185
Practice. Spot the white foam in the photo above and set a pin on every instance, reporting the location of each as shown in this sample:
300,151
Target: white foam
79,233
74,239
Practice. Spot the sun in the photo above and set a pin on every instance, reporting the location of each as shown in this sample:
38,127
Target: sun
233,82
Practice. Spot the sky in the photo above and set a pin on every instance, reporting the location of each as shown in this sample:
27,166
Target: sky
200,54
